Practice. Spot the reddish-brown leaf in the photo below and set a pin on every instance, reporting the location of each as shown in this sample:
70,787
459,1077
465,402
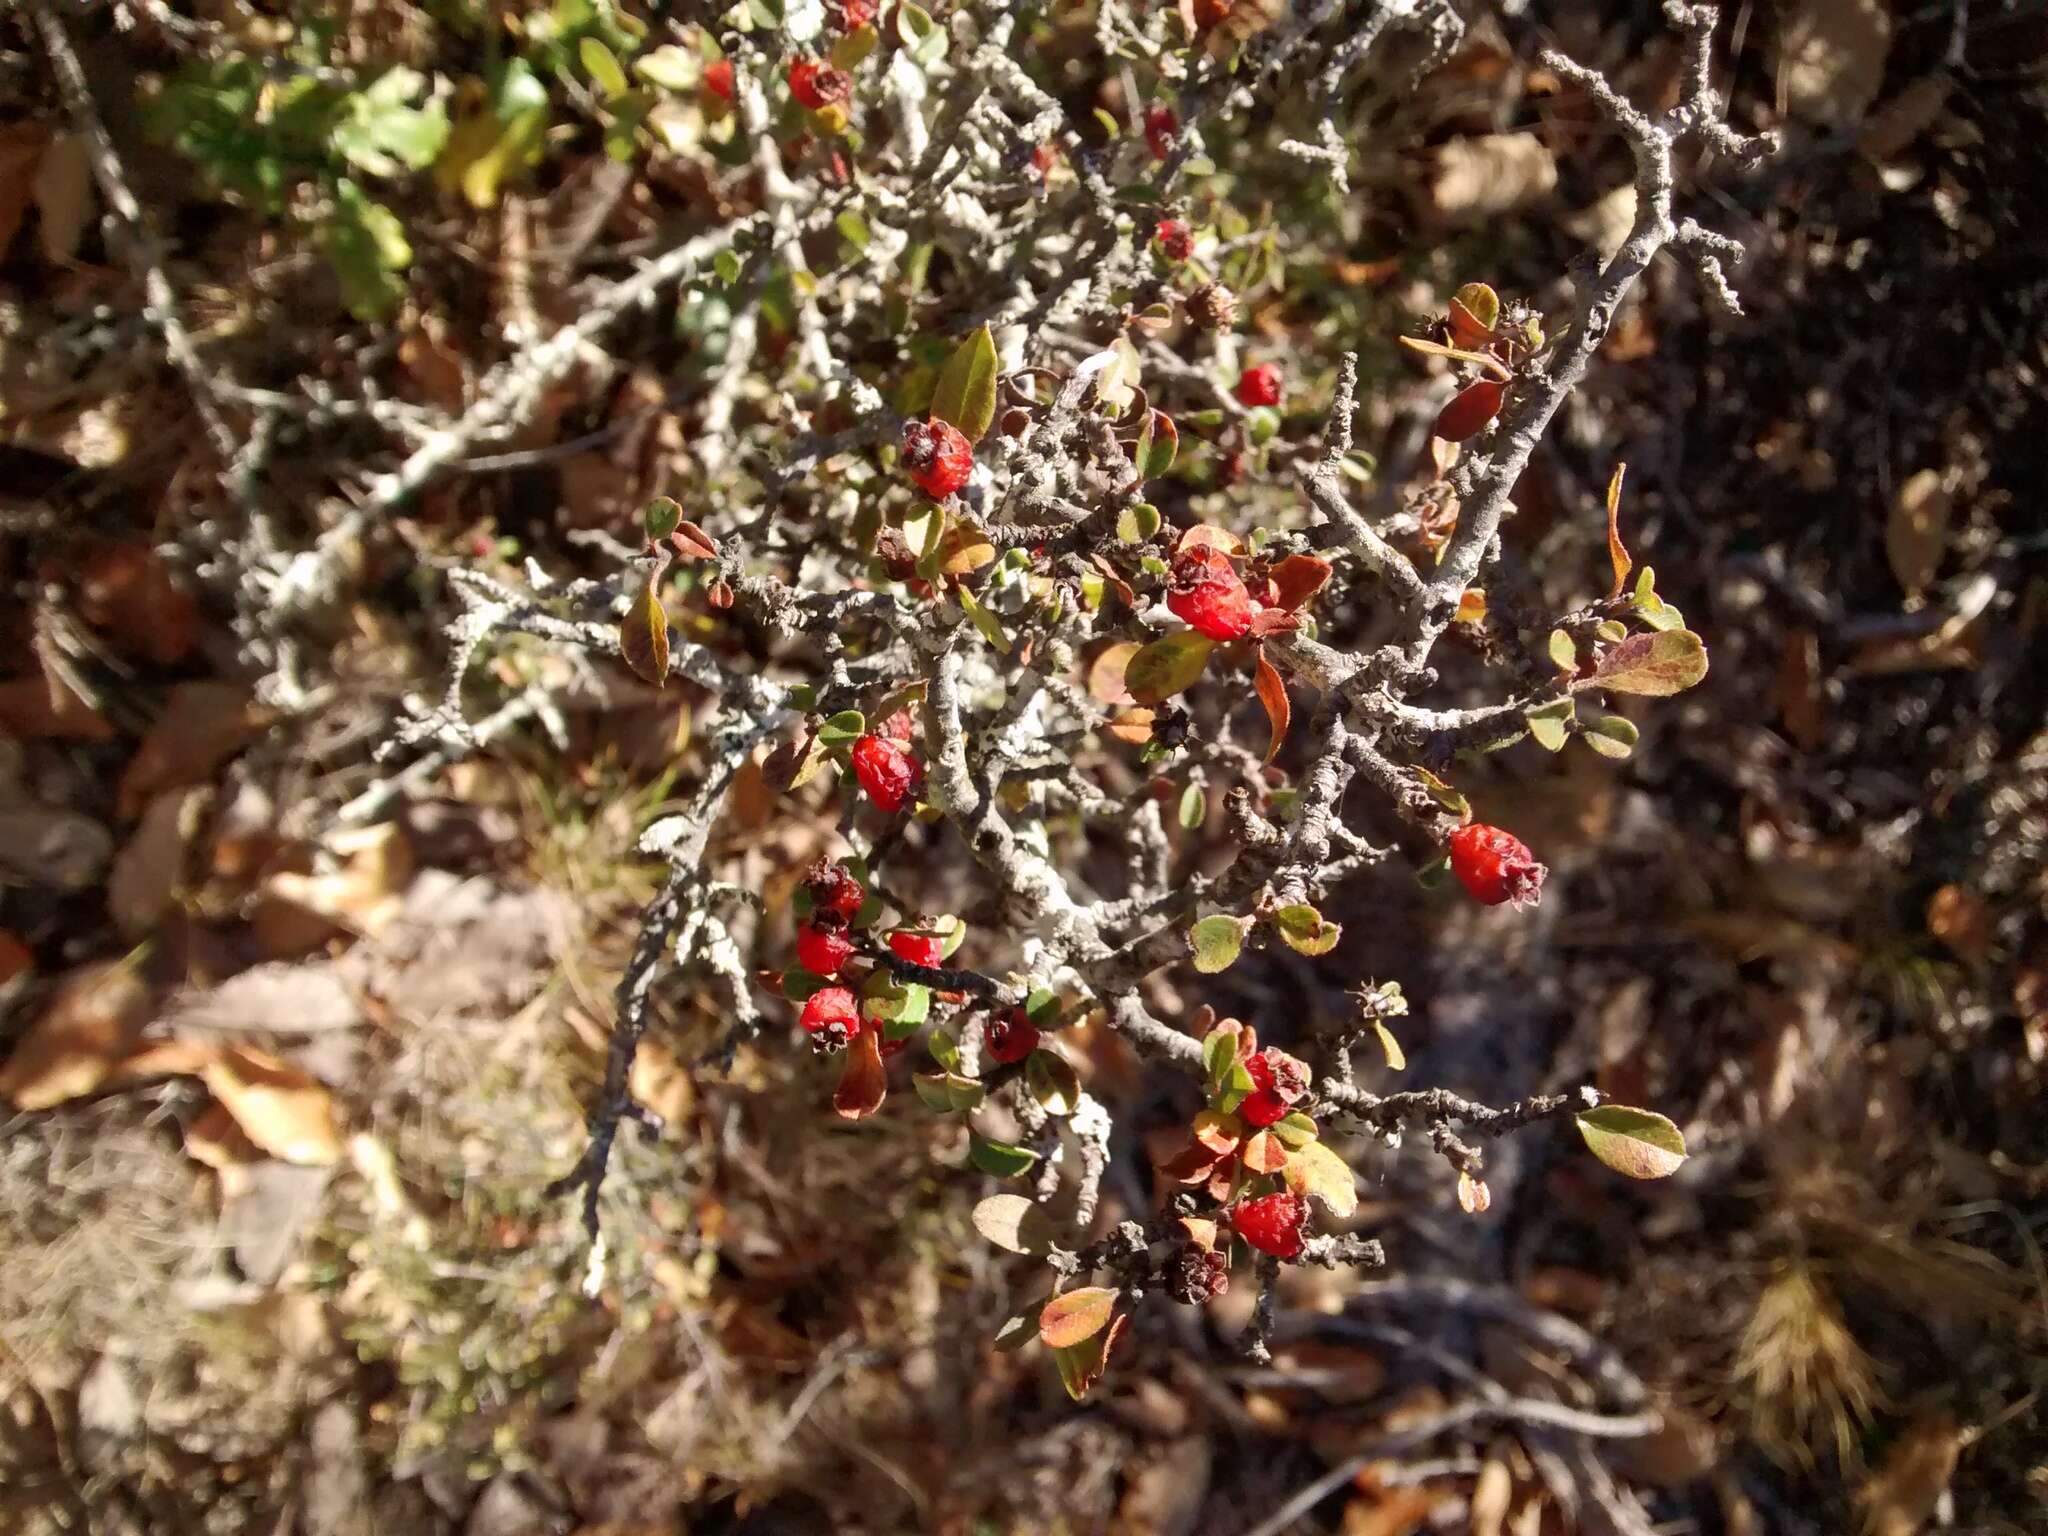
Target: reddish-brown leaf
1299,578
691,542
1220,1134
1470,409
1265,1153
1616,554
1273,694
1273,621
864,1081
1191,1165
1207,536
1106,673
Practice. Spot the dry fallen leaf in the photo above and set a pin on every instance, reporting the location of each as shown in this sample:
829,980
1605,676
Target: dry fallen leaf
64,195
279,1108
86,1028
1477,178
1900,1497
128,591
203,724
1916,532
357,887
1830,58
149,869
21,150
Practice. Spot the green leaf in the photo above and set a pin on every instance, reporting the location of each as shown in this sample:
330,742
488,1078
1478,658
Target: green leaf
945,1048
1656,665
1052,1082
1564,655
1548,722
922,38
1014,1222
1194,805
1216,942
1611,630
798,984
1219,1051
948,1092
366,246
1610,735
602,67
853,229
660,518
1396,1057
998,1158
1261,425
488,145
1305,930
1167,666
1295,1130
1042,1007
383,135
1137,522
1076,1315
1446,795
966,392
902,1005
1158,445
1636,1142
990,626
846,726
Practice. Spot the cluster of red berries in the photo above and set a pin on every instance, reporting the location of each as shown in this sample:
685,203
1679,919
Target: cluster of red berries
1260,385
1204,590
1175,239
938,456
1495,866
816,84
1282,1082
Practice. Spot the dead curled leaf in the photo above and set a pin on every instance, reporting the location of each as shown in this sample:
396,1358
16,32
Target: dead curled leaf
202,725
281,1109
83,1032
1916,531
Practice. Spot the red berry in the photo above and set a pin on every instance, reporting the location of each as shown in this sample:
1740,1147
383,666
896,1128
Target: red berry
718,78
821,950
831,1016
1010,1036
815,84
886,771
1175,239
938,456
1272,1223
1260,385
833,890
1495,866
918,948
1206,592
1162,129
852,15
1282,1079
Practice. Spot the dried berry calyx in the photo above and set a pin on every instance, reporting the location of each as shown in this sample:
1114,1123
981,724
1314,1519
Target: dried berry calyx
822,945
1194,1276
833,890
851,15
1175,239
1213,307
831,1017
1272,1223
1261,385
816,84
1281,1082
1010,1036
1205,591
886,771
1495,866
938,456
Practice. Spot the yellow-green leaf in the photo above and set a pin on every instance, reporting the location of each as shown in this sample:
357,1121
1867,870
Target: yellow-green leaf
1637,1142
1216,942
1014,1222
1657,665
602,67
1052,1082
1306,930
1167,666
1396,1057
643,636
1317,1171
966,392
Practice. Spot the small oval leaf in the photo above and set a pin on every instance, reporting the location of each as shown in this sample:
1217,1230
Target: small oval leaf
999,1158
1216,942
966,392
1068,1319
1636,1142
1657,665
643,637
1052,1082
1014,1222
1272,691
1167,666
